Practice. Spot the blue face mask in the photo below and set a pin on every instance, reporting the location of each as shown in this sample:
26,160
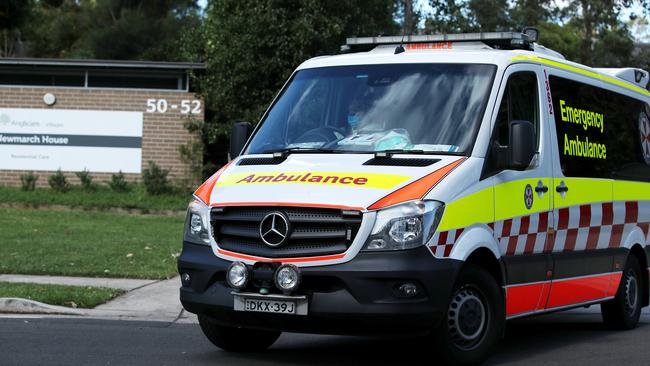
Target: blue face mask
353,121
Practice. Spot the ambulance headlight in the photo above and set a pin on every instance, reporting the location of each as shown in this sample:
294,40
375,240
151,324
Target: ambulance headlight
197,223
405,226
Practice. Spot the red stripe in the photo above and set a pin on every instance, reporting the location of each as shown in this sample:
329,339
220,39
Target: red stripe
563,218
579,290
592,238
448,249
507,226
525,224
631,212
542,226
570,240
530,243
585,216
614,282
608,213
645,227
617,234
523,298
442,239
512,245
280,260
459,232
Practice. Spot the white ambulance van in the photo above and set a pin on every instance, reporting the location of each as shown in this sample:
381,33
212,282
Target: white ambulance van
437,184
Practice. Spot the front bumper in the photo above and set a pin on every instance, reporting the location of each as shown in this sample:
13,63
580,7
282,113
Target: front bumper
357,297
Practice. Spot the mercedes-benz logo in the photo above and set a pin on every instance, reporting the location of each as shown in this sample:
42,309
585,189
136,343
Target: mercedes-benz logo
275,229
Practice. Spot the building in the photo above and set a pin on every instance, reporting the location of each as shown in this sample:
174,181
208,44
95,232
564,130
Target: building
102,116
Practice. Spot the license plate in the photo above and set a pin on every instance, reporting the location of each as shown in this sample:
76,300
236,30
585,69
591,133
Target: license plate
274,304
267,306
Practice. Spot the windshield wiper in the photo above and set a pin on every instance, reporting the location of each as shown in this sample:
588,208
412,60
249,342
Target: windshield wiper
389,153
299,150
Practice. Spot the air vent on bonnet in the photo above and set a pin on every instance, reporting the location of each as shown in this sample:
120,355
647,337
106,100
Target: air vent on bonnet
389,161
262,161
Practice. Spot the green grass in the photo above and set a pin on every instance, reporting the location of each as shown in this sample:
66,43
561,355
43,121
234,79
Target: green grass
79,243
71,296
102,198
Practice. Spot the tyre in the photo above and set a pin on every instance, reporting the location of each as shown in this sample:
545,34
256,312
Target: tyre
237,339
624,310
474,321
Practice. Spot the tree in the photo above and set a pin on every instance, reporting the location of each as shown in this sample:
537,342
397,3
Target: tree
110,29
13,14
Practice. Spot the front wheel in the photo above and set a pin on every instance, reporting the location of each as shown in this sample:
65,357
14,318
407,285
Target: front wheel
237,339
624,310
474,319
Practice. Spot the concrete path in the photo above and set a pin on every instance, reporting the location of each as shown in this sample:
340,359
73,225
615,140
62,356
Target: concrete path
146,300
156,301
117,283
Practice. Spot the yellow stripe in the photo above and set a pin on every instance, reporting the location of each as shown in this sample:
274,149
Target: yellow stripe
583,191
474,208
342,179
512,202
582,71
631,191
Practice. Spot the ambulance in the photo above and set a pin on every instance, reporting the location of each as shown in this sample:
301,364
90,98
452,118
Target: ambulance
437,185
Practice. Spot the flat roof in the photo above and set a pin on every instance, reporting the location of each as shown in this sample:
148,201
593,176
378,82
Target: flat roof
107,64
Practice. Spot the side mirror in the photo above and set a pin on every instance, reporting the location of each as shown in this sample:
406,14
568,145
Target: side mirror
523,145
238,137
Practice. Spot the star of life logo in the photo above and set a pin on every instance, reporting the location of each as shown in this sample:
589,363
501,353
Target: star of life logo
644,132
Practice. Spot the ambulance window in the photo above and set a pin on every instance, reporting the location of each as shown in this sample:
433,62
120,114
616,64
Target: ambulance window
519,102
601,133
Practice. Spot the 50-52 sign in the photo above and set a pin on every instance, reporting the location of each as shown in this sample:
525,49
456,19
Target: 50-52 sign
162,106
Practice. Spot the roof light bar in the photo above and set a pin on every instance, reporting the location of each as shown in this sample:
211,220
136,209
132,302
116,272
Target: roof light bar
494,39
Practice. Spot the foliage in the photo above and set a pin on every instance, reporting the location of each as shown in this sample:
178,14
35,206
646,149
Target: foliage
155,179
28,181
109,29
93,244
58,182
86,180
71,296
118,183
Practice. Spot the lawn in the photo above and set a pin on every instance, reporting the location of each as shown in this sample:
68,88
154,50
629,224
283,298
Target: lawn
80,243
71,296
102,198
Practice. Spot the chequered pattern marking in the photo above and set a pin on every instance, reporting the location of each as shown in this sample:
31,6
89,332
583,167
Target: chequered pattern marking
584,227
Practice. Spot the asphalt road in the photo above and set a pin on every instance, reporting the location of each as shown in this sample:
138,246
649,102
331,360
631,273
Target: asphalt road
576,338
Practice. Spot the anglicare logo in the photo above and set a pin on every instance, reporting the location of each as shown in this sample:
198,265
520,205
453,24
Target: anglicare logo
4,119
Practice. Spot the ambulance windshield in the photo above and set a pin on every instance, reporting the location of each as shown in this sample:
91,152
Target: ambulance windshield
426,108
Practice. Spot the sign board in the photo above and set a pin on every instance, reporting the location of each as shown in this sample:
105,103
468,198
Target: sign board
70,140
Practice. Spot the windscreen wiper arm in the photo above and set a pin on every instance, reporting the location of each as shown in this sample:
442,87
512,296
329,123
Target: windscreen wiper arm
298,150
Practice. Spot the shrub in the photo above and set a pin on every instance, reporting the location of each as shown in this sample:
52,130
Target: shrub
155,179
86,180
58,182
28,181
118,183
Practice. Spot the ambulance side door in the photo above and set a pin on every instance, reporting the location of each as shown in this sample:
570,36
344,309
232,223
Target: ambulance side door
587,226
523,200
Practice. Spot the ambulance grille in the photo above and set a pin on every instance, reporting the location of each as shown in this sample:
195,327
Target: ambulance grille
262,161
315,231
418,162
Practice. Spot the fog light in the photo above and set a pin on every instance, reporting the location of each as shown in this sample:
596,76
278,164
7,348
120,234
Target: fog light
237,276
186,279
287,278
408,289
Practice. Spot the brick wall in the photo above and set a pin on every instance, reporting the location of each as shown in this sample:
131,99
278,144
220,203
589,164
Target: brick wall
161,135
